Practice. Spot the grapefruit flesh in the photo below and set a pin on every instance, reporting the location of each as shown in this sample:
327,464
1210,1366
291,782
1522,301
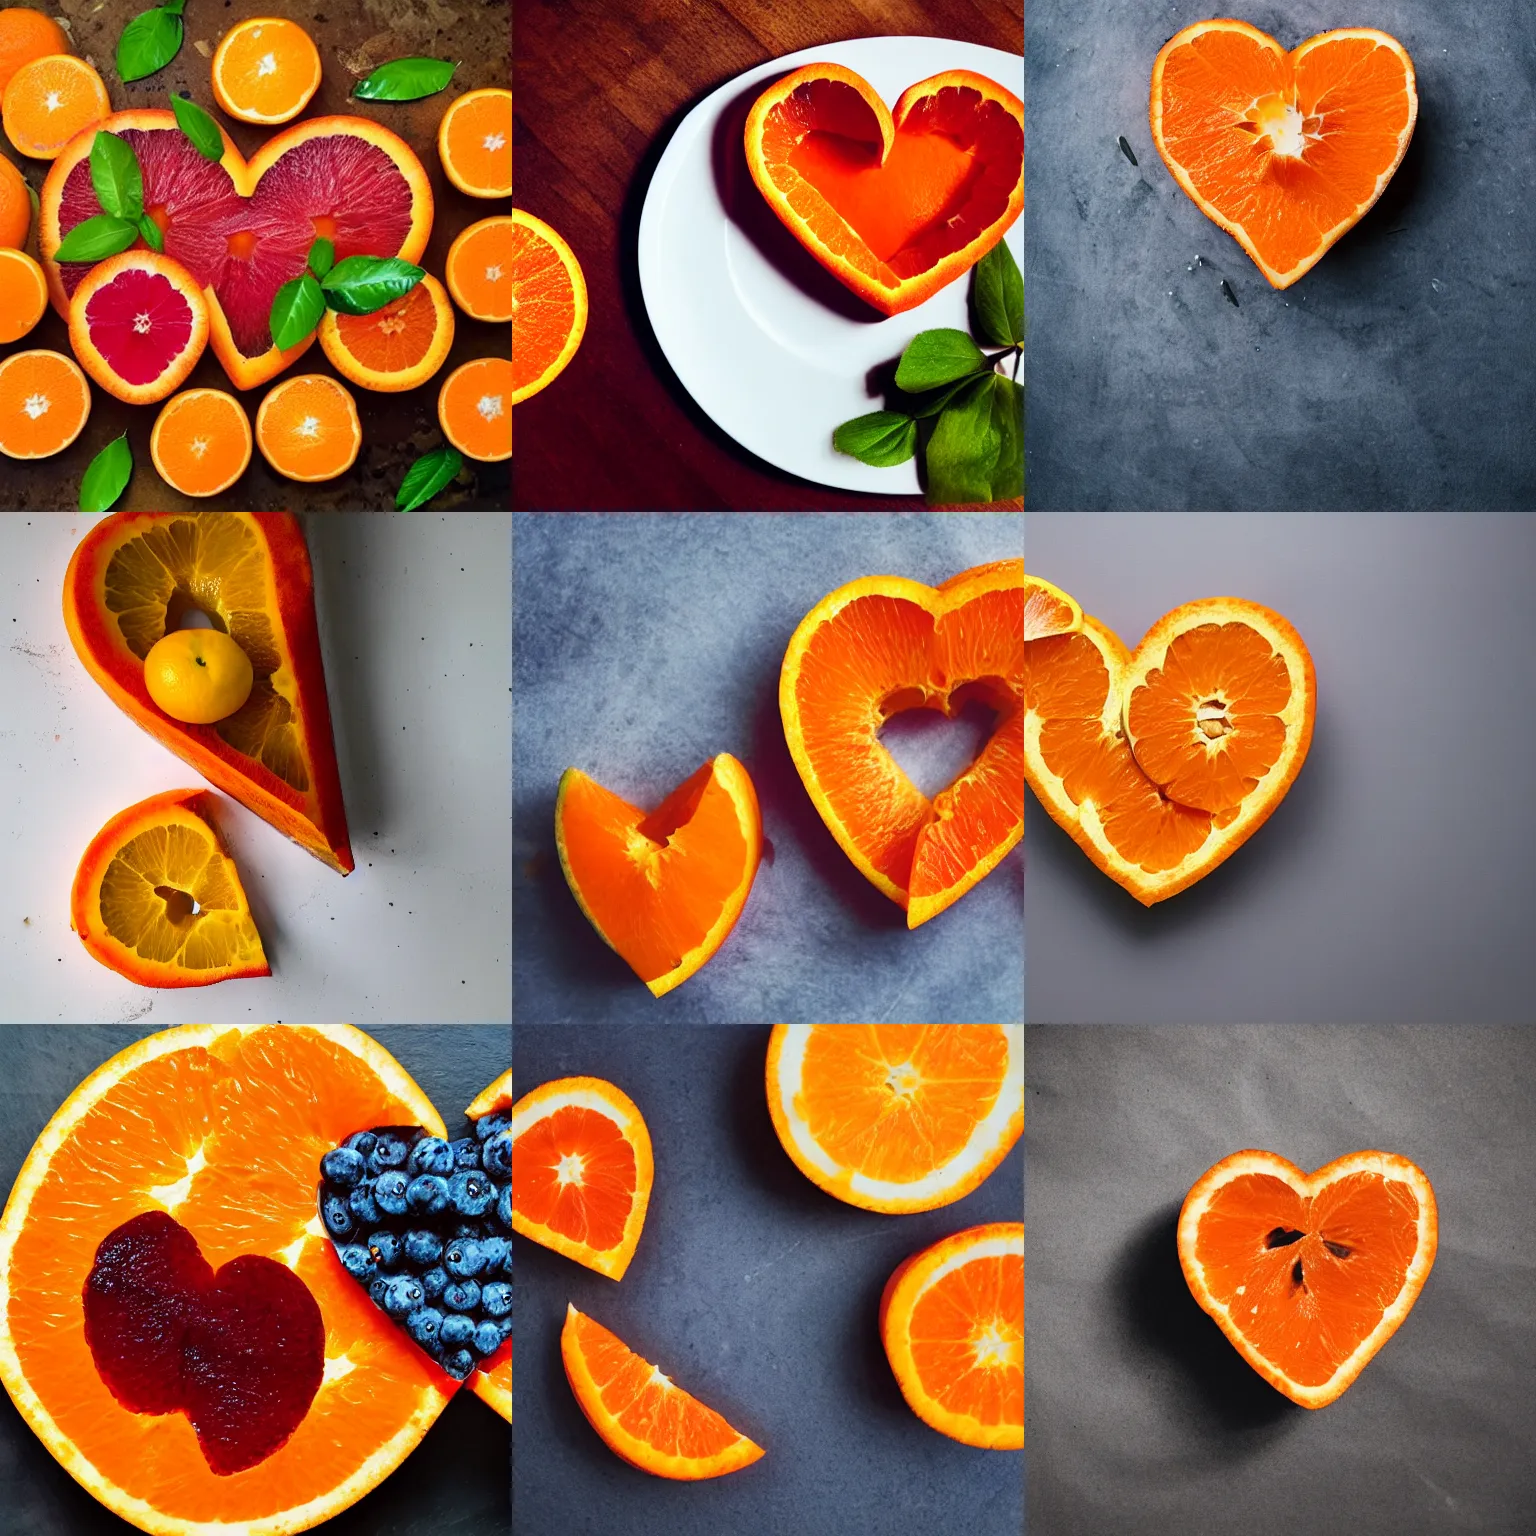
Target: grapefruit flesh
140,324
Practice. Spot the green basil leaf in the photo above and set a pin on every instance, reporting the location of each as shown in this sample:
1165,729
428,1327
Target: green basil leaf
964,448
882,438
1008,418
932,403
199,128
997,296
322,257
107,476
175,7
149,42
427,476
361,284
151,233
115,175
95,238
296,311
937,357
405,80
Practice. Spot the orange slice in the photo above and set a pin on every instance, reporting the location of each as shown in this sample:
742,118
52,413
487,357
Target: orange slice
952,1321
23,293
44,404
491,1381
665,889
897,1117
25,35
48,101
474,408
394,348
479,269
474,141
157,897
308,429
1285,151
872,649
581,1172
201,442
1162,763
265,70
1309,1275
549,305
640,1415
222,1127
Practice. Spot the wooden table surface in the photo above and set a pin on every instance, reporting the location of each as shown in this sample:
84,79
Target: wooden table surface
599,87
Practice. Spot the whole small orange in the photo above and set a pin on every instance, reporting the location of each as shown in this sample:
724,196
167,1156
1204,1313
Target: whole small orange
15,206
198,676
25,35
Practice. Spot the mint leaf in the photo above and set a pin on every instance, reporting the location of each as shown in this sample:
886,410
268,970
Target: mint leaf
107,476
296,310
882,438
937,357
199,128
997,295
151,233
115,176
95,238
964,448
426,477
362,284
1008,418
150,41
405,80
322,257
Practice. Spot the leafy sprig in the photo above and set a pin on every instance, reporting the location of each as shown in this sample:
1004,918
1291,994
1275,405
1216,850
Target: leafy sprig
359,285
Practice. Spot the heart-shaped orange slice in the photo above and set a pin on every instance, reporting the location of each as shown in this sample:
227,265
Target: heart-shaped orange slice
894,204
884,644
1285,151
1161,763
1309,1274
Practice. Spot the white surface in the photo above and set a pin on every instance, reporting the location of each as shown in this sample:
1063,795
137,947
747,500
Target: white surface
773,365
415,627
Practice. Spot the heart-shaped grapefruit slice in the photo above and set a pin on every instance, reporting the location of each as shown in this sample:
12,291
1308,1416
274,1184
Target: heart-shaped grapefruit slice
895,205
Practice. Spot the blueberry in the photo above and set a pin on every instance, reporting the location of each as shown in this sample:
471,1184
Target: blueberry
423,1249
357,1261
458,1363
364,1206
378,1288
431,1155
496,1154
496,1298
361,1142
461,1295
463,1258
498,1255
456,1330
403,1295
466,1152
343,1167
337,1215
427,1193
385,1247
488,1125
504,1208
471,1192
487,1339
434,1281
423,1324
389,1191
389,1151
505,1324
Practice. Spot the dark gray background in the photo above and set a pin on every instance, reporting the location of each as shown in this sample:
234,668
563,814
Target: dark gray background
1397,373
1141,1416
758,1293
1393,882
455,1483
643,645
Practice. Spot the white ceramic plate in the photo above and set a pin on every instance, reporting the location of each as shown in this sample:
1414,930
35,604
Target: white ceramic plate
774,349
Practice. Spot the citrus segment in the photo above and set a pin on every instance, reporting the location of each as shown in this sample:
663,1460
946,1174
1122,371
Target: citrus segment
1309,1275
640,1415
894,204
308,429
15,208
581,1172
492,1381
49,100
394,348
662,889
201,442
1048,610
134,576
1285,151
221,1128
884,644
44,404
23,294
952,1322
474,408
25,35
897,1117
549,305
474,142
265,70
479,269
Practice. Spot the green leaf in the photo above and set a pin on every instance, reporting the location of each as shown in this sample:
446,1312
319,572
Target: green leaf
405,80
427,476
882,438
296,311
322,257
149,42
199,127
116,177
361,284
107,476
997,294
95,238
937,357
1008,418
151,233
175,7
932,403
964,448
